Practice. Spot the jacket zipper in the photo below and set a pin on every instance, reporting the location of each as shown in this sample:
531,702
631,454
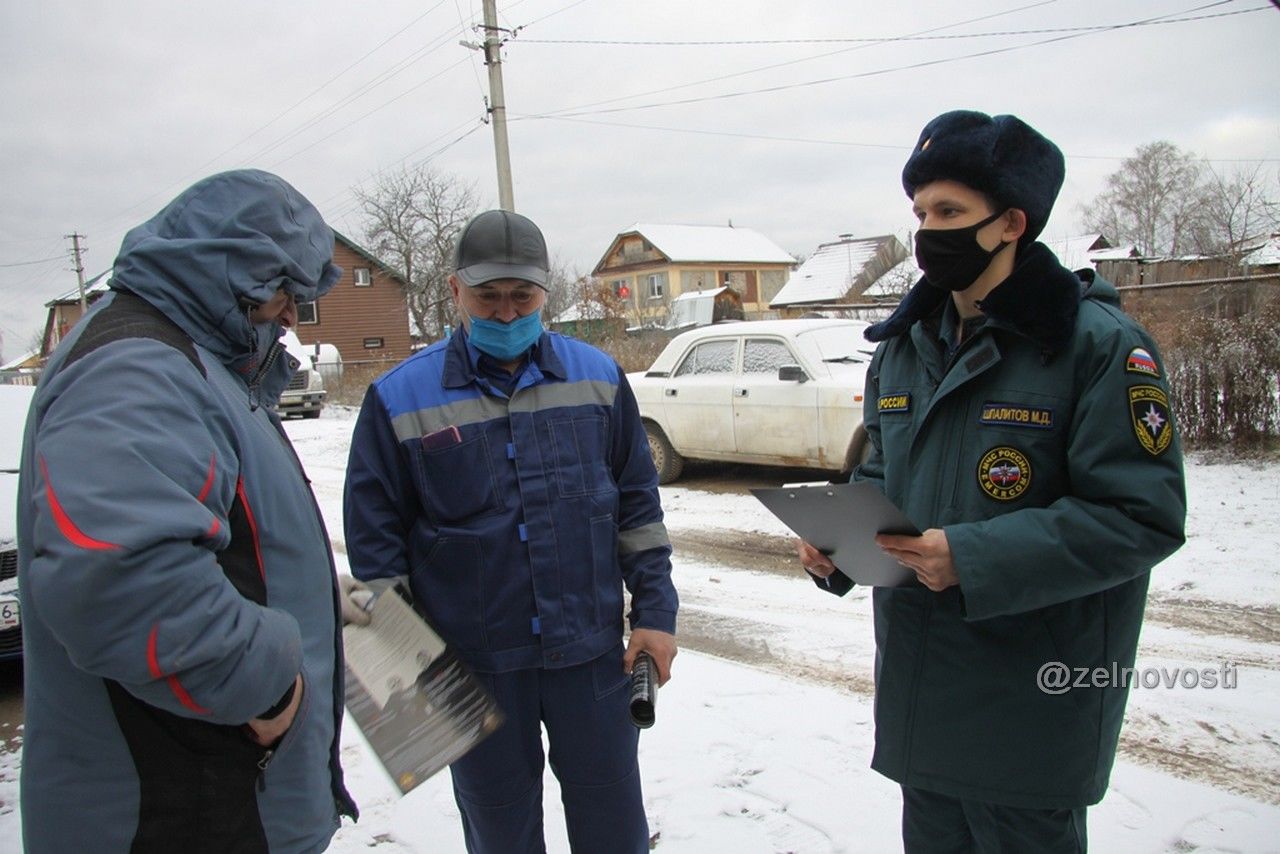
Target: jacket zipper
262,768
255,393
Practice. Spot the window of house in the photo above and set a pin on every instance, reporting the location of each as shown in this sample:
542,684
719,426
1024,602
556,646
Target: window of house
709,357
364,277
373,343
764,356
657,285
622,288
308,312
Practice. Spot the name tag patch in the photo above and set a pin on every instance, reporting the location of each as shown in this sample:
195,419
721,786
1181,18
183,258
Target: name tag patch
1016,415
1004,473
1149,411
894,402
1142,362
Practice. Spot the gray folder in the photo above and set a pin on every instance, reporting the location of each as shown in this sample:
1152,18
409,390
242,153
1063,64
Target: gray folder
841,520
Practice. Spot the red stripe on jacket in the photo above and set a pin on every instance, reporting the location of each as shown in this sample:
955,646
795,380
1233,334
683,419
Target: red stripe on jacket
253,528
153,663
69,528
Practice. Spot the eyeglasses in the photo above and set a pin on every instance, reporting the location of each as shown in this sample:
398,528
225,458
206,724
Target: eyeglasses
492,297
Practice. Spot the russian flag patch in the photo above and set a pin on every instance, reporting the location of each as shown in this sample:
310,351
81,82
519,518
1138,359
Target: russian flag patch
1141,362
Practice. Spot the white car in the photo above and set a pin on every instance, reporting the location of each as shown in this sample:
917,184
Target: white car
15,400
773,392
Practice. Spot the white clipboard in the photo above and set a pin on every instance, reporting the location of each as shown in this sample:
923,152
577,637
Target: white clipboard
841,520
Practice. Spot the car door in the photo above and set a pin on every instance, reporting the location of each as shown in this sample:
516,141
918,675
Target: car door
696,399
774,420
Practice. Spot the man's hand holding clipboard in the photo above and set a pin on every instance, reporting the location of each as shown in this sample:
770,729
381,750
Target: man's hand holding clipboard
852,533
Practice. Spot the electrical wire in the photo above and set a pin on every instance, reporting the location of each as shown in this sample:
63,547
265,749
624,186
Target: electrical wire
861,75
30,263
839,142
798,61
886,39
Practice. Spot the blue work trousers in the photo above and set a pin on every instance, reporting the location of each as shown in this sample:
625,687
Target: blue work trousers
593,744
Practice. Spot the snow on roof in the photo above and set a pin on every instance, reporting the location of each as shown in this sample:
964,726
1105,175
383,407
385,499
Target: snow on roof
712,243
15,364
829,273
693,295
98,284
579,311
897,281
1267,253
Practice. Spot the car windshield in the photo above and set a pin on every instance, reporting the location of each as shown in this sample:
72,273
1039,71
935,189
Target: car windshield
842,343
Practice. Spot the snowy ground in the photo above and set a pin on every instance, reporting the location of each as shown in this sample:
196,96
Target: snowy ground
764,734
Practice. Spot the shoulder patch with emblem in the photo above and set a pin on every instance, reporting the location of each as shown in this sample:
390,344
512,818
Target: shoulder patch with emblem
1004,473
894,402
1149,412
1016,415
1140,361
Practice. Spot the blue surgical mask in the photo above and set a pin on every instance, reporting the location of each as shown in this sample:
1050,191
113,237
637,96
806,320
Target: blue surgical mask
506,342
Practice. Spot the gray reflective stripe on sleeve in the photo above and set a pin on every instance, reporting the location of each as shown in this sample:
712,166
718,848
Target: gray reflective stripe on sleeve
420,422
649,536
554,395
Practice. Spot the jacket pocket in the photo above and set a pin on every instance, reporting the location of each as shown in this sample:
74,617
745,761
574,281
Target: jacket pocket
579,455
606,575
456,483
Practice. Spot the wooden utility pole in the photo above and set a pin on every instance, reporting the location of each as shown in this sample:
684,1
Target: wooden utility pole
497,104
75,248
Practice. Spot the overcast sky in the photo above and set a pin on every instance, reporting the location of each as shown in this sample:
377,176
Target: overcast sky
795,124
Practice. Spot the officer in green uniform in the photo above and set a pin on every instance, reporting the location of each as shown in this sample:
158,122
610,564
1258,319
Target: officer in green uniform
1021,420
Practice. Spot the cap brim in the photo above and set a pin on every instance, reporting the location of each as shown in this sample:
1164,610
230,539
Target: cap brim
479,274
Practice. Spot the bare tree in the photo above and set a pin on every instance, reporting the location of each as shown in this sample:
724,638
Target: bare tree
1154,201
1237,207
561,288
411,221
1166,202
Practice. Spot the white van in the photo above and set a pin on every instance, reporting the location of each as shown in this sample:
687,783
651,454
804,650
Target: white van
305,393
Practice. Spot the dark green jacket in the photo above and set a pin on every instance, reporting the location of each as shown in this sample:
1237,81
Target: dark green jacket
1043,448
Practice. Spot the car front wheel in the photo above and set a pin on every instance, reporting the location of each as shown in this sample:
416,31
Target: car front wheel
665,459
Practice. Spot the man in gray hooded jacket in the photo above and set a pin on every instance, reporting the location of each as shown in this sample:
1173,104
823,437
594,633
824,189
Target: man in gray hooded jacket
180,612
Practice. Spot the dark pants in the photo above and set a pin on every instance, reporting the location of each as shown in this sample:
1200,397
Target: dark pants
498,785
938,824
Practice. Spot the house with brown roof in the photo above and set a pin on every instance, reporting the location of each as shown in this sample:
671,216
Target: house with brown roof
648,265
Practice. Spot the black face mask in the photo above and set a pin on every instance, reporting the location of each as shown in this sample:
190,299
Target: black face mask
952,258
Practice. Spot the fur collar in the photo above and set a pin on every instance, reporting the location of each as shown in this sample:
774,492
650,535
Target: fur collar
1040,300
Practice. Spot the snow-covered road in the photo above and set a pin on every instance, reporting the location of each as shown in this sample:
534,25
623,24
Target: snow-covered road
764,735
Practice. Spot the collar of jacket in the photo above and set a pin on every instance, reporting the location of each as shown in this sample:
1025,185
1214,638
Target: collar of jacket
460,360
1040,300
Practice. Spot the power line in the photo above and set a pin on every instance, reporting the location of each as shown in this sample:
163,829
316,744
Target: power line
550,14
885,39
365,115
798,61
358,92
38,261
838,142
860,75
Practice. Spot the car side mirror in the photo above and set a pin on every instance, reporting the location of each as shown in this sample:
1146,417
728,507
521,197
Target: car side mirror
792,374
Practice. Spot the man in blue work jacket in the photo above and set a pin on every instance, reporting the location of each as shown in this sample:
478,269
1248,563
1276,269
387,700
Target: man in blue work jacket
506,473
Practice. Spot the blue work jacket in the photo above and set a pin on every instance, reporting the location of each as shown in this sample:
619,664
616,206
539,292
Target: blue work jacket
517,518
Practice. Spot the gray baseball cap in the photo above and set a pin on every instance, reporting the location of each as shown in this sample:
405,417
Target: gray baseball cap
501,245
